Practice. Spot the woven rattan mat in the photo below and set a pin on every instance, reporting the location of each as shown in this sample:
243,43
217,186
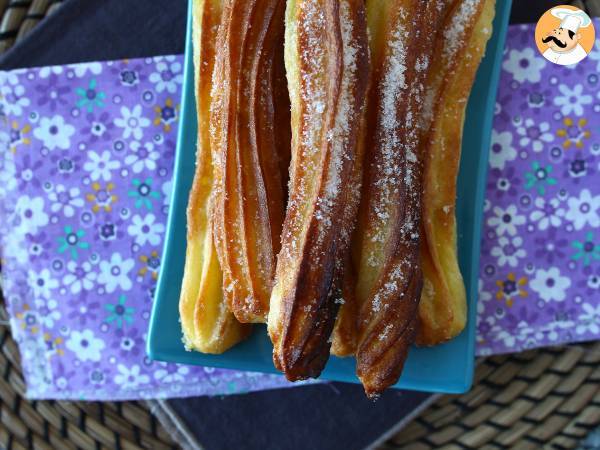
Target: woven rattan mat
20,16
67,425
548,398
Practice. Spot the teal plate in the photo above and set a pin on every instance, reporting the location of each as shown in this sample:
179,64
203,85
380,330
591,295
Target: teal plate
444,368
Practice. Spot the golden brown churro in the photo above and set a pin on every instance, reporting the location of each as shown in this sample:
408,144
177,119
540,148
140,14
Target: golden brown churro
327,67
443,308
387,244
207,324
345,332
363,261
249,196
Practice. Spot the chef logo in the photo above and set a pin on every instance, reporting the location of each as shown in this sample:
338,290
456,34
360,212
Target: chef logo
565,35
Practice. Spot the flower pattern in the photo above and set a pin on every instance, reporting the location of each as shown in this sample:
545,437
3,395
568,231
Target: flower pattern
541,251
86,157
65,199
85,345
101,166
572,100
102,197
114,273
584,210
548,213
168,75
90,97
587,250
100,351
524,65
54,132
145,229
506,221
550,284
509,251
13,94
539,178
18,136
132,122
534,135
502,149
574,133
142,156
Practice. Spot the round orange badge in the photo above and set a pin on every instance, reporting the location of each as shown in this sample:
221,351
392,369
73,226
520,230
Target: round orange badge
565,35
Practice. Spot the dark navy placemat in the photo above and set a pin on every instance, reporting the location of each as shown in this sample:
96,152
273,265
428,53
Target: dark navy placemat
316,417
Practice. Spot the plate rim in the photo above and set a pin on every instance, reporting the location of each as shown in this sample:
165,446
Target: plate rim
156,351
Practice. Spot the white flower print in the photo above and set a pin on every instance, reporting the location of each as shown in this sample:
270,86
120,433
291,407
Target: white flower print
79,277
168,75
54,132
508,251
534,135
550,284
15,248
572,101
132,122
506,220
143,157
589,320
145,230
12,94
501,335
85,345
583,210
484,297
525,334
100,166
548,213
8,170
593,281
170,376
45,72
49,312
41,283
82,69
502,150
113,273
65,200
29,215
167,190
130,378
524,65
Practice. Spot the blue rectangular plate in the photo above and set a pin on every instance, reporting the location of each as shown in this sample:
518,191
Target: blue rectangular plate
444,368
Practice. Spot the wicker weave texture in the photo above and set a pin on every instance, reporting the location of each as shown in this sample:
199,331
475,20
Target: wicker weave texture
68,425
547,398
19,17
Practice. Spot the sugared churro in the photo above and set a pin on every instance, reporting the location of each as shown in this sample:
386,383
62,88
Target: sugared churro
249,196
443,308
207,324
327,66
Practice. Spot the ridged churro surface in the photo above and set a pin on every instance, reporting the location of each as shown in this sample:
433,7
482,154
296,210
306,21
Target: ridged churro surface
443,308
389,276
249,140
207,324
327,69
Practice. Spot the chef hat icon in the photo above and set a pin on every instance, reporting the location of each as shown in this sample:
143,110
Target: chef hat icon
571,20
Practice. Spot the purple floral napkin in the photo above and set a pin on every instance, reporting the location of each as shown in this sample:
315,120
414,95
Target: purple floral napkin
86,155
540,266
